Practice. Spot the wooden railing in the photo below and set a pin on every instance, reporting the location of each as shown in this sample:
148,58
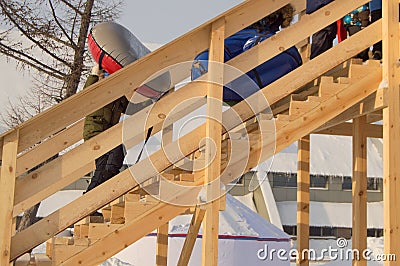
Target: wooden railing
59,127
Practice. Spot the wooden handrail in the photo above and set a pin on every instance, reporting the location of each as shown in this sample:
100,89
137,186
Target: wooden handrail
126,80
289,37
50,179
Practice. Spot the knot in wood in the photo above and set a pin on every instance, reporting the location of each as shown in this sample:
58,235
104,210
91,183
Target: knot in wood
96,147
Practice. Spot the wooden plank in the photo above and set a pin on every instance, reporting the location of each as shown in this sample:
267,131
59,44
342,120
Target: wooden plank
98,231
213,144
7,187
191,236
125,235
135,209
359,188
297,32
371,104
163,230
303,199
123,82
23,203
50,147
162,245
346,129
29,190
122,183
83,230
391,128
117,213
330,108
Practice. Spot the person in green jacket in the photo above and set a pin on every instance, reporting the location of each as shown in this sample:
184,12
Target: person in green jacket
109,164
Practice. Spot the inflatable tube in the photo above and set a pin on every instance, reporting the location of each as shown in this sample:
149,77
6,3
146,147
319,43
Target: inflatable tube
113,47
262,75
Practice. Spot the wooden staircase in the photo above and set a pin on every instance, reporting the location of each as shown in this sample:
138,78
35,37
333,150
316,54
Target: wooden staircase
325,91
134,208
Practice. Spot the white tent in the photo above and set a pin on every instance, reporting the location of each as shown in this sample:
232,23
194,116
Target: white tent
244,236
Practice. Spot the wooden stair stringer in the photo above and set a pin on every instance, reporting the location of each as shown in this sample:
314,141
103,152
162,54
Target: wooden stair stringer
314,118
327,110
125,235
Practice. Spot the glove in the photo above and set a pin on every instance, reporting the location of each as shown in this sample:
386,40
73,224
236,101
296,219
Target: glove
96,70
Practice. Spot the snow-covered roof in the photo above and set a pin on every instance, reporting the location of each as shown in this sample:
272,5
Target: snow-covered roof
330,155
329,214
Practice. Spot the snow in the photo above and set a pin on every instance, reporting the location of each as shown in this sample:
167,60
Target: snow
58,200
330,155
325,214
247,200
236,220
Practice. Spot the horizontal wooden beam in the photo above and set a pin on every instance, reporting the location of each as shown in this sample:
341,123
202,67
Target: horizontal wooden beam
345,129
50,147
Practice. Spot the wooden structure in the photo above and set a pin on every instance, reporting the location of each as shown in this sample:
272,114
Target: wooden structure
318,97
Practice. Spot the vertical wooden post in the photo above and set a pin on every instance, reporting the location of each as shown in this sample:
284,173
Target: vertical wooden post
391,128
213,143
303,199
162,231
7,186
359,188
162,245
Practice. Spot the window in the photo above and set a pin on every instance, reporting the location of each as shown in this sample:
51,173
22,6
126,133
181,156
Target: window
290,229
347,183
318,181
373,183
284,180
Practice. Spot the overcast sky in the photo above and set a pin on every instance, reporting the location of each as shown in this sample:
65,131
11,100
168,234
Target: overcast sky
152,21
161,21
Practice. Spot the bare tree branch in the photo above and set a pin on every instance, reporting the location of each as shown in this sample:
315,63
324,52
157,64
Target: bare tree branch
60,26
29,36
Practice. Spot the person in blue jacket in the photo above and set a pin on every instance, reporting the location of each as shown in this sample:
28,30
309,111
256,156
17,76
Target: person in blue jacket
264,74
323,39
